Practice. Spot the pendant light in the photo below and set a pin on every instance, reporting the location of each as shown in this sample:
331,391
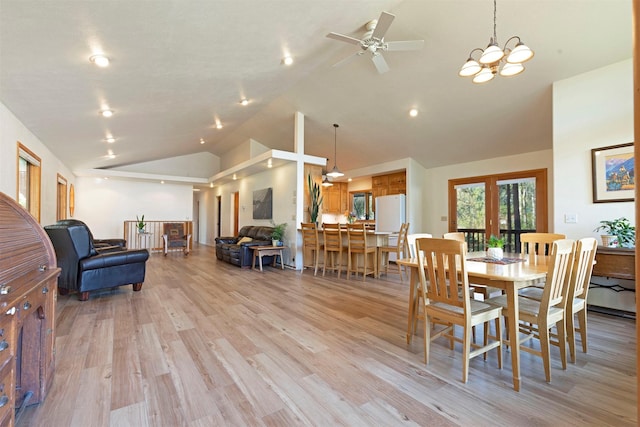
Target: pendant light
493,60
335,172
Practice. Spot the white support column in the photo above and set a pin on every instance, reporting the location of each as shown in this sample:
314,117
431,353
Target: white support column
298,139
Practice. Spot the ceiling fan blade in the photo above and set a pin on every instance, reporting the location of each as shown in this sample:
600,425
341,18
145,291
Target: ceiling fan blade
384,22
348,59
405,45
343,38
380,63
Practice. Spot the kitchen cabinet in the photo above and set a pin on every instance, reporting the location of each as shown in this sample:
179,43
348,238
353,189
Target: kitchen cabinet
393,183
335,198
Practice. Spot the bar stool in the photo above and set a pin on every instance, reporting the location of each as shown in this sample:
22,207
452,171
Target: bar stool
358,245
310,245
332,248
400,249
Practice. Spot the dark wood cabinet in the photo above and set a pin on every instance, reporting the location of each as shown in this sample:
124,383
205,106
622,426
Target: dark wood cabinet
28,286
613,280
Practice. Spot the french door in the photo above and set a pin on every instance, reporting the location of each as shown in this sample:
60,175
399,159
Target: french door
504,204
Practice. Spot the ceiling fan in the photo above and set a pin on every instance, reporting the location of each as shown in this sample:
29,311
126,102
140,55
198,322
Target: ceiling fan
373,41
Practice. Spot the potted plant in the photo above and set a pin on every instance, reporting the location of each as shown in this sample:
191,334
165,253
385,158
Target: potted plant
619,232
140,224
316,200
278,233
495,247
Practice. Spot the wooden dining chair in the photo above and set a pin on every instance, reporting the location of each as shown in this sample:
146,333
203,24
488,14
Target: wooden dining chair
448,303
359,245
411,242
310,246
534,244
538,317
399,249
332,248
577,297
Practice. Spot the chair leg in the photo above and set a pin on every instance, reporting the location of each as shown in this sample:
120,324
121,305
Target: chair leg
582,322
466,349
562,342
499,338
571,335
427,338
544,350
83,296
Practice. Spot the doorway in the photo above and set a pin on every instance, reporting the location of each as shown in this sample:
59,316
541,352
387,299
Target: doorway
504,204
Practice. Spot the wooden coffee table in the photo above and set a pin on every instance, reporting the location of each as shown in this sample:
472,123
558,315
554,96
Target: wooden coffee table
260,251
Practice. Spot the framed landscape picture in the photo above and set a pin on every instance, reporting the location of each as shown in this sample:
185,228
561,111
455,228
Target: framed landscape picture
613,173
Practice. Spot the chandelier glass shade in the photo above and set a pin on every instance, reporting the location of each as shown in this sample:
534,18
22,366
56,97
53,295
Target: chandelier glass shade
326,182
493,60
335,172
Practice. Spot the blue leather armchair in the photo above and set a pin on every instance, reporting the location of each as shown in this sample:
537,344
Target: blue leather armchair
86,268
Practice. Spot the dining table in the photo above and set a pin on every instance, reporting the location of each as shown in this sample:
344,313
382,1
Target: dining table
511,273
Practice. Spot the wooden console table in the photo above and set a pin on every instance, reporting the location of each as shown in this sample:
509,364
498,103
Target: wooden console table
28,284
260,251
616,263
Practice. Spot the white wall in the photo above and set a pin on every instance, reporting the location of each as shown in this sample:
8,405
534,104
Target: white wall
591,110
435,201
104,205
283,182
12,131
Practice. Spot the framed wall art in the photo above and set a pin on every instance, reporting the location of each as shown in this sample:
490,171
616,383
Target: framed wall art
263,203
613,173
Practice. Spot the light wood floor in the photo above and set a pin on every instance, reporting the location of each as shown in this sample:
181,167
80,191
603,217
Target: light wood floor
206,343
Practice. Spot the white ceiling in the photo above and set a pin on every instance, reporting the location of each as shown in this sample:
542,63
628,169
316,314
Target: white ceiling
178,65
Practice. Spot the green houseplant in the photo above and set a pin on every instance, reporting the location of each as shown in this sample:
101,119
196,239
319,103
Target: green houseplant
495,246
140,224
278,233
621,228
316,199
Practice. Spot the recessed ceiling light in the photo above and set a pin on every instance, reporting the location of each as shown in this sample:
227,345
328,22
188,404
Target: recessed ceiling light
100,60
287,60
211,185
269,163
218,125
244,101
161,182
110,139
106,113
234,177
201,141
413,112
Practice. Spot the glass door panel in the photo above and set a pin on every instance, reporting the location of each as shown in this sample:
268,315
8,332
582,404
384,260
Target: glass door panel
516,210
471,216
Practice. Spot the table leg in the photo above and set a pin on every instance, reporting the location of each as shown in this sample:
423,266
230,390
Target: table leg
253,262
412,303
514,336
281,262
260,260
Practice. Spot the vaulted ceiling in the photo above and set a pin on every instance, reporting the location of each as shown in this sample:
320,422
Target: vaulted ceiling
180,66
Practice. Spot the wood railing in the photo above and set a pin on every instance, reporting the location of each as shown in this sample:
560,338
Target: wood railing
152,237
477,239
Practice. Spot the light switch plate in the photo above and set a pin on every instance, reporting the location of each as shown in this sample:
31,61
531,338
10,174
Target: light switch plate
570,218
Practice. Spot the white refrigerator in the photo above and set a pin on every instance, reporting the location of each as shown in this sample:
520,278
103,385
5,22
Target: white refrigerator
390,212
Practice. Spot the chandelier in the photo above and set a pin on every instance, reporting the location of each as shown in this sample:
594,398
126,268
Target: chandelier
493,60
335,172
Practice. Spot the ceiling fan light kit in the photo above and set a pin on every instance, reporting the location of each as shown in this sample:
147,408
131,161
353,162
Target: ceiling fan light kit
335,172
493,60
373,42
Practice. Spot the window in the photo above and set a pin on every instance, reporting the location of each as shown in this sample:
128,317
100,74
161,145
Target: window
362,205
29,181
61,197
505,204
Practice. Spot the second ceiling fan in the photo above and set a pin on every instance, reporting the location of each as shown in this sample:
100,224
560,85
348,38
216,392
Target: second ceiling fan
373,42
